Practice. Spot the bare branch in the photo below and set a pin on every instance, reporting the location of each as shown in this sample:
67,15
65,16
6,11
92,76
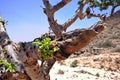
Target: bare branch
56,28
47,4
79,13
70,21
60,5
96,15
113,8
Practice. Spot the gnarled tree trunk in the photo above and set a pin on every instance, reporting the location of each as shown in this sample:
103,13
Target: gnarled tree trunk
25,55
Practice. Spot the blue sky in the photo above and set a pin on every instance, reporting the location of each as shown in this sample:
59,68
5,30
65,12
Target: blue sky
27,21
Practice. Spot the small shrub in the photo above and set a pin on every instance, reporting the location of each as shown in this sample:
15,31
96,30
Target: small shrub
106,44
114,37
102,66
97,74
84,72
61,62
74,63
60,71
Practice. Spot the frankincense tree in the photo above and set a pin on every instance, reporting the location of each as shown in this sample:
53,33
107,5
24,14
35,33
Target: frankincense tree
19,61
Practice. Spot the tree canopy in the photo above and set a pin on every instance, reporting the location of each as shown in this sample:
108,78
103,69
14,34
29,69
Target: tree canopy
101,5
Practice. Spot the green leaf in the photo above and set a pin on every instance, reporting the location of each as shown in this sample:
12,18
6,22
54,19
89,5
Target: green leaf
55,49
9,66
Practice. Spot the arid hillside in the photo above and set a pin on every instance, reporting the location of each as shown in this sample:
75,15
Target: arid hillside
109,39
100,60
105,66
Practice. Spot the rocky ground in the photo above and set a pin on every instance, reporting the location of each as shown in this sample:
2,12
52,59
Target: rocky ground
105,66
100,60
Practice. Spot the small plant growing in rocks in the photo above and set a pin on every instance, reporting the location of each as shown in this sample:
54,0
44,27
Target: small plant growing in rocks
84,72
74,63
60,71
97,74
106,44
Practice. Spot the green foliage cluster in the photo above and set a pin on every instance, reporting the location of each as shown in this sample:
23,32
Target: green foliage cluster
8,66
47,48
102,4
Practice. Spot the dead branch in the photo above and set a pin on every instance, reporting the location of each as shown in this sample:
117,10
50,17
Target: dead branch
60,5
70,21
49,10
113,8
79,13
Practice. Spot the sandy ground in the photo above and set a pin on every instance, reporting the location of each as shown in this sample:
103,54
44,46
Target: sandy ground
89,72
